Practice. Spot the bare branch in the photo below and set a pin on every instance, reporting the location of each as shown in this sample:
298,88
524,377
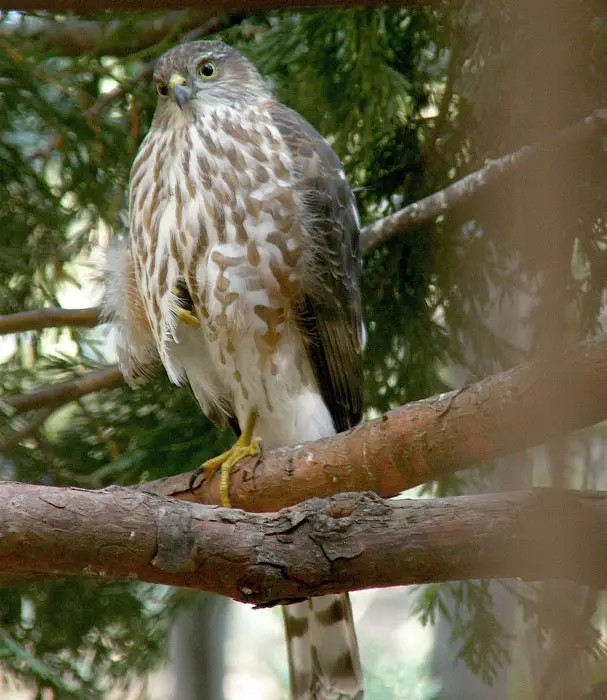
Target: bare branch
429,208
348,542
54,395
49,318
501,415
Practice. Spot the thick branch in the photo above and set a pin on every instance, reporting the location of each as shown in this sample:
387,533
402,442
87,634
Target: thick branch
56,394
429,208
347,542
501,415
49,318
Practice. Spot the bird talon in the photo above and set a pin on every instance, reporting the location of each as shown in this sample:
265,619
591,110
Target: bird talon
186,317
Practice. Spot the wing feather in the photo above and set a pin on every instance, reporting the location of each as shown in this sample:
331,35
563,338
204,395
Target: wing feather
329,312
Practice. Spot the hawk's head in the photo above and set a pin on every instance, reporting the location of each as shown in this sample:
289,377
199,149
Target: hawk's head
206,74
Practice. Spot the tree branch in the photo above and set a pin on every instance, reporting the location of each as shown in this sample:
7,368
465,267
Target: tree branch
348,542
56,394
74,37
86,6
49,318
501,415
17,436
427,209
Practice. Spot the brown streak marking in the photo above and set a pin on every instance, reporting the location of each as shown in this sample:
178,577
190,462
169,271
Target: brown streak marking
253,207
225,299
235,157
190,185
141,158
162,274
261,174
291,257
278,166
253,254
241,234
179,206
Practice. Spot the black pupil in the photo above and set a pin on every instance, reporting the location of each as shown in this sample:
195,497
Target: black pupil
163,90
208,70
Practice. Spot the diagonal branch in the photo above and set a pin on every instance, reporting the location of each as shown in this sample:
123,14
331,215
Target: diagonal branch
54,395
49,318
15,437
348,542
374,234
74,37
501,415
427,209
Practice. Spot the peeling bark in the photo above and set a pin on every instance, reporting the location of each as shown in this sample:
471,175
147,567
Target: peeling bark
503,414
347,542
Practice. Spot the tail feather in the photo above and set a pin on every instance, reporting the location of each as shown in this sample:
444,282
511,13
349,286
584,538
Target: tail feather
324,662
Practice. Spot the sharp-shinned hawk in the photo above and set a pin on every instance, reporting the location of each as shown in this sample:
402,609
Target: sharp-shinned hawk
242,276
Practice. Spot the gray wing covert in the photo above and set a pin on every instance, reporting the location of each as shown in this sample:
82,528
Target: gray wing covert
329,312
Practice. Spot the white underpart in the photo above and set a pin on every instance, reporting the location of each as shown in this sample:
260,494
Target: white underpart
288,401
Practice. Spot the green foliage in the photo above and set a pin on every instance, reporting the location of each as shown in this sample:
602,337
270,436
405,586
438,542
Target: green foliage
479,636
412,99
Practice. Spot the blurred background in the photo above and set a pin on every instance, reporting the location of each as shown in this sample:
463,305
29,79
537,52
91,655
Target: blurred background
412,99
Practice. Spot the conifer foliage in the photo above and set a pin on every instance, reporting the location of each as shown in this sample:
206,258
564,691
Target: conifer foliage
412,99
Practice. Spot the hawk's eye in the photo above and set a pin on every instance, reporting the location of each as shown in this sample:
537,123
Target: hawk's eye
162,89
207,70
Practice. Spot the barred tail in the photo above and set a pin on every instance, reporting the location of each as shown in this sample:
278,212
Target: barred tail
324,663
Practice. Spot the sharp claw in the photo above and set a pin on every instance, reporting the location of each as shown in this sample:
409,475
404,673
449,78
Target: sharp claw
187,318
225,462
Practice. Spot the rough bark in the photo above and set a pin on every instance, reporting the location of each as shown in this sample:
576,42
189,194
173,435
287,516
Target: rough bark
501,415
347,542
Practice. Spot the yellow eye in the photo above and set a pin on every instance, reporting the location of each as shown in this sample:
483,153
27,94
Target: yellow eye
162,89
207,70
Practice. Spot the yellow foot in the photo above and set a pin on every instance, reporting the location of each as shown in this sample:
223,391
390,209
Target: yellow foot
245,446
227,461
186,317
184,305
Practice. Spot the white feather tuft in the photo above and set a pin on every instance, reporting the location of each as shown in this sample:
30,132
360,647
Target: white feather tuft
123,308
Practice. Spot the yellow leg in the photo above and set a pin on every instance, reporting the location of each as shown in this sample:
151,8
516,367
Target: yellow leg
183,313
245,446
187,317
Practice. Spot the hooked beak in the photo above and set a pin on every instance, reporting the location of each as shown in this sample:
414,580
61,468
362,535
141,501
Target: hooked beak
181,93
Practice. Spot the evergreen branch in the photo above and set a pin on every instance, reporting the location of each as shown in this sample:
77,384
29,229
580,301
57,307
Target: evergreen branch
49,318
17,436
347,542
74,37
55,395
411,445
427,209
86,6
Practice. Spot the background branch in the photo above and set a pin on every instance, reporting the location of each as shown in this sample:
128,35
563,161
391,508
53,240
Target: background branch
430,207
73,37
503,414
49,318
348,542
86,6
56,394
